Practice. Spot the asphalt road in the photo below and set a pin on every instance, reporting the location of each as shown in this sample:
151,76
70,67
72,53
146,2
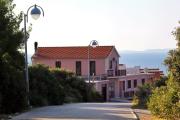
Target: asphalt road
81,111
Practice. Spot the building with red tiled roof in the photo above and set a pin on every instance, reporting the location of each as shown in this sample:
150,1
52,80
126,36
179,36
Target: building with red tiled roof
101,63
80,52
76,59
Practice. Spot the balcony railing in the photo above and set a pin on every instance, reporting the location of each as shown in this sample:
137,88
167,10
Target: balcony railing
95,78
110,73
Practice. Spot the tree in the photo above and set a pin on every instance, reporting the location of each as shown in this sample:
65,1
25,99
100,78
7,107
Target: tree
161,82
165,101
12,83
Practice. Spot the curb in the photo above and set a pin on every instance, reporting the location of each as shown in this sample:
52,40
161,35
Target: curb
135,115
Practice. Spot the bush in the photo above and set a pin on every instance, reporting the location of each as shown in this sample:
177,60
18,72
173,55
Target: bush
165,102
56,86
95,97
44,88
13,90
161,82
142,96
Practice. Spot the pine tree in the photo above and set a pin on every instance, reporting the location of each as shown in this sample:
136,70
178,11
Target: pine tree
12,82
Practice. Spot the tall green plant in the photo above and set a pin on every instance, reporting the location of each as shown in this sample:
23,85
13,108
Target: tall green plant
142,95
12,83
165,101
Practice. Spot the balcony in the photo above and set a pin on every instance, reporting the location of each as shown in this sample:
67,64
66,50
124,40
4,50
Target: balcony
110,73
95,78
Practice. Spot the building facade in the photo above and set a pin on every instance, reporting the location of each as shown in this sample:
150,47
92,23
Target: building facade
110,78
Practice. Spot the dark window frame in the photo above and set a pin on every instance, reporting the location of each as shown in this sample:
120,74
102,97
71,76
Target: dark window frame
143,81
135,83
110,64
124,85
78,68
58,64
92,68
129,84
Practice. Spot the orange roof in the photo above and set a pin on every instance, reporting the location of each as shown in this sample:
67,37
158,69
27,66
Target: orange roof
73,52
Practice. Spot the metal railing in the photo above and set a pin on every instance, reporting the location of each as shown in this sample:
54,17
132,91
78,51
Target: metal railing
110,73
95,78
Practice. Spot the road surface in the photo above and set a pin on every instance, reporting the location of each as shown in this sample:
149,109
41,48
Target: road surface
81,111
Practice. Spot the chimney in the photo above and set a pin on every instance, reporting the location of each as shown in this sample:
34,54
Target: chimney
35,46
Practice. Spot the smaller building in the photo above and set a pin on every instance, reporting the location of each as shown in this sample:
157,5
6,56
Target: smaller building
132,79
156,71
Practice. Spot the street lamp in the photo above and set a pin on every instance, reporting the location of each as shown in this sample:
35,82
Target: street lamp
35,13
93,44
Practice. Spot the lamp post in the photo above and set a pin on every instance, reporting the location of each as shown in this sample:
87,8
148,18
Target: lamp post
93,44
35,13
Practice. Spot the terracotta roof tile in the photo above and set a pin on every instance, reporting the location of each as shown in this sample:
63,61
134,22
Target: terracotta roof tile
73,52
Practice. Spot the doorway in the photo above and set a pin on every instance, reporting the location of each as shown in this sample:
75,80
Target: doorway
104,92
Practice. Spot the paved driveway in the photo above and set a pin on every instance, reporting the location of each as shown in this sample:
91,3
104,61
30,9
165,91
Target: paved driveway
81,111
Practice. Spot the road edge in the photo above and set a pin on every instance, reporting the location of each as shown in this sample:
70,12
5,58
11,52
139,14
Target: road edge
135,115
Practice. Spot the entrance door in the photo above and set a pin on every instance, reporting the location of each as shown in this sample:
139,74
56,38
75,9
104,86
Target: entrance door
104,92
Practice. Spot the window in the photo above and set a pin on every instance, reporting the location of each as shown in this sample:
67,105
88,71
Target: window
121,72
123,85
78,68
114,59
135,83
129,84
116,69
143,81
92,68
58,64
110,64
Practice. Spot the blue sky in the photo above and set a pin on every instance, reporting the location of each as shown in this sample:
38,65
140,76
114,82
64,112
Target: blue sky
127,24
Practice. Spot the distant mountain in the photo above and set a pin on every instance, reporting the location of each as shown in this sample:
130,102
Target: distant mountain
148,58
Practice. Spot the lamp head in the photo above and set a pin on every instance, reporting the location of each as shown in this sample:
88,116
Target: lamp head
94,44
35,12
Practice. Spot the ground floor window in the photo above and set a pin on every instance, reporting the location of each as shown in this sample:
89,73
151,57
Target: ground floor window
135,83
129,84
143,81
92,68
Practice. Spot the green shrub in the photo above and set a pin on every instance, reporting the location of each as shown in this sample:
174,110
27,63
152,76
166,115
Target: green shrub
74,87
161,82
142,96
44,88
164,104
56,86
95,97
165,101
13,90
